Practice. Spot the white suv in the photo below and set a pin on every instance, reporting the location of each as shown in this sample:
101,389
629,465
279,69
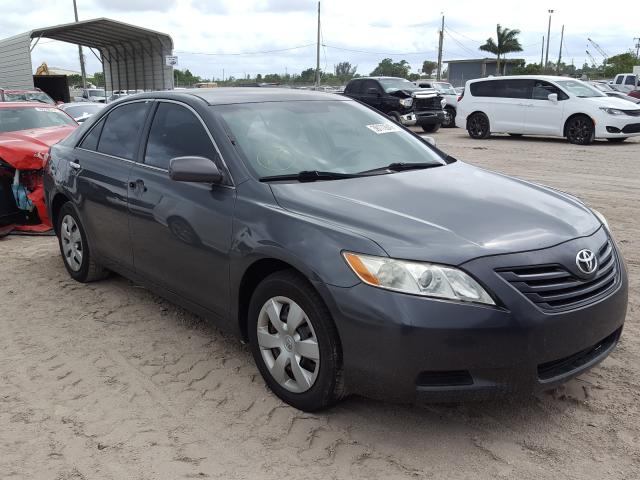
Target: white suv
545,105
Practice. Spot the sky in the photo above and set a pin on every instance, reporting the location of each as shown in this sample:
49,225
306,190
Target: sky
362,32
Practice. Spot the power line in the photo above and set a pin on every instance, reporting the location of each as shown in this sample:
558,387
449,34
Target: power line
380,53
468,50
447,27
248,53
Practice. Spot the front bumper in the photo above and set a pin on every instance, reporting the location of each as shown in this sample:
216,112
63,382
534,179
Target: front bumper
614,126
411,348
408,119
430,117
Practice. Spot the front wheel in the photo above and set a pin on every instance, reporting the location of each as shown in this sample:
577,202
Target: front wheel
294,342
450,117
580,130
431,128
478,126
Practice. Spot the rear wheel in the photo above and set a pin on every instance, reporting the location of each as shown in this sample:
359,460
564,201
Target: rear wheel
431,128
450,118
478,126
74,247
617,140
580,130
294,342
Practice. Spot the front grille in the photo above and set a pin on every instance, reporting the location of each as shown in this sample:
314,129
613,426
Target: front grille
432,103
563,366
632,113
631,128
553,287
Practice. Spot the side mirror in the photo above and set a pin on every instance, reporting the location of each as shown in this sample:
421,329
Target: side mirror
553,97
194,169
373,91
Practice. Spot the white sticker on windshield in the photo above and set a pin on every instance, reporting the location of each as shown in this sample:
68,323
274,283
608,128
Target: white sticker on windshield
40,109
383,128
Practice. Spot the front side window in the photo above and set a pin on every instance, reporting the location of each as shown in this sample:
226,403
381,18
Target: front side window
176,132
542,90
370,84
15,119
631,80
121,130
619,79
281,138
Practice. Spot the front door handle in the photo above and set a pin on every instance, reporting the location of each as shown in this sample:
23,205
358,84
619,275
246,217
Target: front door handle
138,185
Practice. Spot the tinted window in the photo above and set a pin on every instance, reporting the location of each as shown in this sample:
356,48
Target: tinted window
354,86
484,89
120,132
631,80
619,79
541,91
90,142
176,132
367,84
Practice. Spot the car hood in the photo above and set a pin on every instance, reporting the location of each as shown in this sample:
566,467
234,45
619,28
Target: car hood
448,214
27,149
609,102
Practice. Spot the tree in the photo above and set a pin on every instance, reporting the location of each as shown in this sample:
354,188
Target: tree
622,63
506,42
428,67
344,71
98,79
388,68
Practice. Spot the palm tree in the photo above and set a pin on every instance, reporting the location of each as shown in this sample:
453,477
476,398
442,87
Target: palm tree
507,42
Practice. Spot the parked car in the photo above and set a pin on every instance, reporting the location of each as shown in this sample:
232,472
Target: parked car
609,91
447,92
27,130
81,111
400,99
545,105
349,253
626,82
97,95
34,95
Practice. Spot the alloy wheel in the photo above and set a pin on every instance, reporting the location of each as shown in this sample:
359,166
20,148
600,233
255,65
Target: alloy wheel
71,243
288,344
580,131
478,126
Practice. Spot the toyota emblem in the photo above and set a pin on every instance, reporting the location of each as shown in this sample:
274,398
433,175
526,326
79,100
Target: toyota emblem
586,261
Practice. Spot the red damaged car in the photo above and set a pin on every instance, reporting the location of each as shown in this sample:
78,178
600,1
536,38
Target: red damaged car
27,130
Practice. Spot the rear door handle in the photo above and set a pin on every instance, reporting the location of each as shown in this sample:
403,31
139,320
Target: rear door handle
75,165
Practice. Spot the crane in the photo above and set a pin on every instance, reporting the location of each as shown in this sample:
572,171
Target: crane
600,51
593,60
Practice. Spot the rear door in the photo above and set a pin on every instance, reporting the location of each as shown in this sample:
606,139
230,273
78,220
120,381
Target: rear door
543,116
100,175
504,102
181,232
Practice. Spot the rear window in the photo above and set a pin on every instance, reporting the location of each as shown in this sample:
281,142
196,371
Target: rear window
16,119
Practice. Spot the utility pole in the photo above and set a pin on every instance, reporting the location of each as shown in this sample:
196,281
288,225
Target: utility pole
637,40
82,70
542,55
318,51
440,39
546,57
560,52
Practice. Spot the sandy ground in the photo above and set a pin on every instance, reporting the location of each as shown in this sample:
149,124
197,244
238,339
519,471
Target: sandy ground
107,381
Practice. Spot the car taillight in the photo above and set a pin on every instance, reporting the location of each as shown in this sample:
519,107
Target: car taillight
461,95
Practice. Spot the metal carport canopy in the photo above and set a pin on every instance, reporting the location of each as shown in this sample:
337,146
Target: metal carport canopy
132,57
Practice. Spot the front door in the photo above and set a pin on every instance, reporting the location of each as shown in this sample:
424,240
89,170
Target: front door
181,232
101,164
544,116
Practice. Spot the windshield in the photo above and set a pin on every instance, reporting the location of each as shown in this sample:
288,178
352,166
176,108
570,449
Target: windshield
83,110
28,97
580,89
96,93
284,138
445,88
392,84
15,119
603,87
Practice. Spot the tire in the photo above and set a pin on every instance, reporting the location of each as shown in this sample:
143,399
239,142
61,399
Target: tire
450,121
580,130
478,126
431,128
303,382
74,248
617,140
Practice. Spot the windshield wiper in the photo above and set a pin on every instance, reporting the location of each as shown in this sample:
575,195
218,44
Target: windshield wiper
401,166
310,176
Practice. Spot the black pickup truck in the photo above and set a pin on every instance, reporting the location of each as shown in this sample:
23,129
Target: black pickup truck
401,100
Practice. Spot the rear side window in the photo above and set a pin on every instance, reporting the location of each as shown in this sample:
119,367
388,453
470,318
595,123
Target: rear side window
90,142
120,132
484,89
176,132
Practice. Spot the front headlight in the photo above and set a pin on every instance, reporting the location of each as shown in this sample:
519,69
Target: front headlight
601,217
417,278
406,102
613,111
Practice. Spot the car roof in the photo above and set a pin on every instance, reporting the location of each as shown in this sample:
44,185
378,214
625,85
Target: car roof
26,105
232,95
550,78
77,104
